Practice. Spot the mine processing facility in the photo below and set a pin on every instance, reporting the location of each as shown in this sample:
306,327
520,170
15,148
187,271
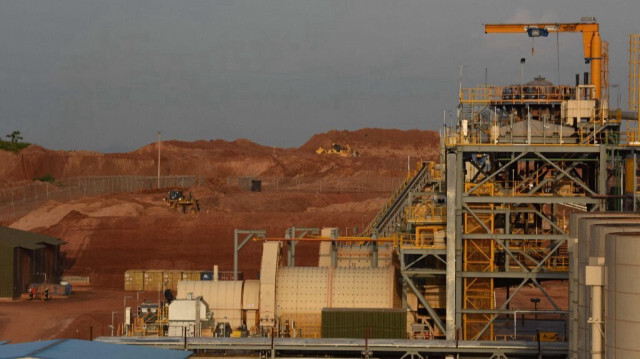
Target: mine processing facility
537,183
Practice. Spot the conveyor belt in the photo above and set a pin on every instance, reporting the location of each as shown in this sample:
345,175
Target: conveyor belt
390,214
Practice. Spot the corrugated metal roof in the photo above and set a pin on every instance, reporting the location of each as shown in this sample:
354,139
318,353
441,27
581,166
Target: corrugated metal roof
74,348
30,240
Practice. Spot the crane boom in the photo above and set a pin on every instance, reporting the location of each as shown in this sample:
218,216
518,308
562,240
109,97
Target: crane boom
590,41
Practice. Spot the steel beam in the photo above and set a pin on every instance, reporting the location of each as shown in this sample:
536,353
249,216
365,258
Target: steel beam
516,275
425,304
452,201
530,199
237,244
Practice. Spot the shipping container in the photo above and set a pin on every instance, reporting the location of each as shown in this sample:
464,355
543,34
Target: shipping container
153,280
134,280
171,279
364,323
190,275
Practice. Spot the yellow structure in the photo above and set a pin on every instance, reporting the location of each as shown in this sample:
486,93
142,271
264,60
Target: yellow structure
590,41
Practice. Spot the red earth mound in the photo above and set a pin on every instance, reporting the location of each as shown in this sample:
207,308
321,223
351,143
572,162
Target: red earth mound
381,150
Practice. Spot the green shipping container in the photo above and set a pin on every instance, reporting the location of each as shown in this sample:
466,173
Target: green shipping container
364,323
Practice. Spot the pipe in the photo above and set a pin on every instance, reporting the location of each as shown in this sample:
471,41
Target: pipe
596,59
623,115
596,321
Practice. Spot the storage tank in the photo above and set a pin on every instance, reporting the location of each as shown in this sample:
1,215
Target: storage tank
596,249
622,288
579,244
224,298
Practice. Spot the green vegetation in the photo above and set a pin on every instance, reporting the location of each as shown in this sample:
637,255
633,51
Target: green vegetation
14,143
46,178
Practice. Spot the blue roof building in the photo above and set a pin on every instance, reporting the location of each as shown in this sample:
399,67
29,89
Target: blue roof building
82,349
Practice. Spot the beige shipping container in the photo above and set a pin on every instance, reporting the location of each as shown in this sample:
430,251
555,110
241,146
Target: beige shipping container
171,279
134,280
190,275
153,280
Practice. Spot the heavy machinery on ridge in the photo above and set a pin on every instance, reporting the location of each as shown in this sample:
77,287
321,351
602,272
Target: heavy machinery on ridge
177,199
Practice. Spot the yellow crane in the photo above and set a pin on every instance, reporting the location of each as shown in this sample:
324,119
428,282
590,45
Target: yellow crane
590,40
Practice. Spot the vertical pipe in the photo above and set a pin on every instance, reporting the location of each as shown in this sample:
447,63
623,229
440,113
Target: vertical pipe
334,254
374,256
215,273
596,320
235,254
596,60
459,246
602,176
289,235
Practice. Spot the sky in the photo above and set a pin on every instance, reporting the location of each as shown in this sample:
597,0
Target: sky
107,75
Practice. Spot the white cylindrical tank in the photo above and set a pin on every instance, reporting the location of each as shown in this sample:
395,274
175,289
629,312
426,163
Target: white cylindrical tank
622,318
587,248
224,298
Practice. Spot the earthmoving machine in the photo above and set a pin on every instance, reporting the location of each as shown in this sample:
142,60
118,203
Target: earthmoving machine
177,199
337,149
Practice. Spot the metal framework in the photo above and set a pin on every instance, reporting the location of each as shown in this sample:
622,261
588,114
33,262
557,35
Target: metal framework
238,244
634,72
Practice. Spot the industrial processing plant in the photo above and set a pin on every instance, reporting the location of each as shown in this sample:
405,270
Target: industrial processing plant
536,188
513,232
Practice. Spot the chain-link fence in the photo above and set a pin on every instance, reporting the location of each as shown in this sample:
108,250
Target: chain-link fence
23,198
320,185
19,199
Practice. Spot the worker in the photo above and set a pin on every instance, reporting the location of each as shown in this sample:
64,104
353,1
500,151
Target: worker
32,293
45,293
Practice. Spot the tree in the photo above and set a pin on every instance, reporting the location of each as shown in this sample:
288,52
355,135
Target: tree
15,136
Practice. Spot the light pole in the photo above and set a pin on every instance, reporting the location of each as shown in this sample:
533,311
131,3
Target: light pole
159,135
460,90
535,302
522,61
112,318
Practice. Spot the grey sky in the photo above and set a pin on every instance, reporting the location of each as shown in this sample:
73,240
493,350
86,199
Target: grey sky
106,75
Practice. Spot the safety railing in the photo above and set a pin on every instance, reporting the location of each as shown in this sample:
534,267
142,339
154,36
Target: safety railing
412,241
426,213
516,94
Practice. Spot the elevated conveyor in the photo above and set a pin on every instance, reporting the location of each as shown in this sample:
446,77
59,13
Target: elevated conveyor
384,222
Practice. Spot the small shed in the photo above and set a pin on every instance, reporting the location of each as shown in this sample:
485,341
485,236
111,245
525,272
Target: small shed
27,257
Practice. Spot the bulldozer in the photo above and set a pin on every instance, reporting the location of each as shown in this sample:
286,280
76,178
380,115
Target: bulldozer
337,149
176,199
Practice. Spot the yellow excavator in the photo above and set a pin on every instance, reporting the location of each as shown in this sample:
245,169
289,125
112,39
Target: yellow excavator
176,199
336,149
